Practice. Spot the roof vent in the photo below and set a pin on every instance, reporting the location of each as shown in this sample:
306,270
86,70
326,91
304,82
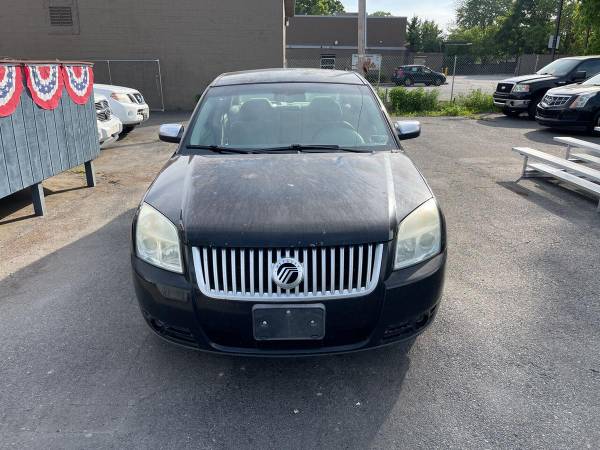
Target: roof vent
61,16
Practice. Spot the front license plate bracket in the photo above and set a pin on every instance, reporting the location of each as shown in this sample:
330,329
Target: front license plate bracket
288,322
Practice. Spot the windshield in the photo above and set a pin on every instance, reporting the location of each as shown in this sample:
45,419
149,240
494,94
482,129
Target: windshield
594,81
558,68
271,115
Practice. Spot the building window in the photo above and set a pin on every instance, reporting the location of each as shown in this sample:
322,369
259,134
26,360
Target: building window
327,61
61,16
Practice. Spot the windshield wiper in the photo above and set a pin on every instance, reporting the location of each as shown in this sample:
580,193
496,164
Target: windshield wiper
308,148
219,149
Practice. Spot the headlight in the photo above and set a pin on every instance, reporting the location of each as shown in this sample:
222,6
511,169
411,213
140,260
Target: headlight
419,236
123,98
521,88
156,240
581,100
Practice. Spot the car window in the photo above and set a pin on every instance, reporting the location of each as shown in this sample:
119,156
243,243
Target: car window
559,68
426,70
594,81
414,69
284,114
591,67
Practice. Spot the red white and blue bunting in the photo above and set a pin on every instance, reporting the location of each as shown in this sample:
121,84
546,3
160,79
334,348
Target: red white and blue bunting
11,85
45,84
79,81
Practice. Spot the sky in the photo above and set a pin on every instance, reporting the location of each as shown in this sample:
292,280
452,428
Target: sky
442,11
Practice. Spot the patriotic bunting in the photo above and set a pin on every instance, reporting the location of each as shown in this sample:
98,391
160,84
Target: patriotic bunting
45,84
11,86
79,81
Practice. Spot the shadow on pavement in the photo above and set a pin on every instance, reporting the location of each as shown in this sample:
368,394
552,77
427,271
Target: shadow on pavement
540,134
22,199
78,362
561,199
502,121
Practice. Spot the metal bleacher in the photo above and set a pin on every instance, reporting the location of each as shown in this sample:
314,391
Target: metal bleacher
579,168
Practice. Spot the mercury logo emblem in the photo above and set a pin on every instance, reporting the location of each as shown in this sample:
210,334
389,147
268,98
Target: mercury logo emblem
287,273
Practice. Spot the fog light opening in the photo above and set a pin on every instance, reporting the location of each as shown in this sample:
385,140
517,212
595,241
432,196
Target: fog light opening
422,320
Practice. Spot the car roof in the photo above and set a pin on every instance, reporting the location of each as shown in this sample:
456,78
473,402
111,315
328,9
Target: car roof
582,57
288,76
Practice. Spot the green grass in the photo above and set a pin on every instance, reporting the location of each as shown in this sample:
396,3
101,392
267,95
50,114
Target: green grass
413,102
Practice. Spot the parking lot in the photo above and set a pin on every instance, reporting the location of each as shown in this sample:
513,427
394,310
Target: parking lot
512,359
463,84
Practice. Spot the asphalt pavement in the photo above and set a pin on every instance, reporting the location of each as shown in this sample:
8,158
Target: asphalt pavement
511,361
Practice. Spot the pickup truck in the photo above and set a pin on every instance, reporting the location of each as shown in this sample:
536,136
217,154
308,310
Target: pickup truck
524,93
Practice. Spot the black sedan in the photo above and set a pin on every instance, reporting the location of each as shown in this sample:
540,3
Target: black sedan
409,75
573,106
289,221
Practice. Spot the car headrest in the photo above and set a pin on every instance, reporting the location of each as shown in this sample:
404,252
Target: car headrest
255,109
325,109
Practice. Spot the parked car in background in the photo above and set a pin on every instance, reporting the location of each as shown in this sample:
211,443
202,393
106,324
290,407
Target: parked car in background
523,93
409,75
284,227
109,126
577,105
126,103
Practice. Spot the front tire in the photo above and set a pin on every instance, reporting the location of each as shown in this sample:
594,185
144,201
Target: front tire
531,110
408,82
595,124
438,82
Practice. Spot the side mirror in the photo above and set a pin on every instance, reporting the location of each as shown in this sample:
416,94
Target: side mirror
580,75
408,129
170,132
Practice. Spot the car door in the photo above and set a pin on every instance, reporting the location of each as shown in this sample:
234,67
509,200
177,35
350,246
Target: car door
591,67
418,74
427,74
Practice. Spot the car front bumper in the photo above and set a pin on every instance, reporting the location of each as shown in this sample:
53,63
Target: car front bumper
511,104
130,113
564,117
109,130
401,306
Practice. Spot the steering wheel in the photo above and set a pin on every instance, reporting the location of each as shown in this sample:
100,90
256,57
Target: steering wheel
340,133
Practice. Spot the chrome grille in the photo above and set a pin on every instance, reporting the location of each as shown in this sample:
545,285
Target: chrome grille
555,100
102,104
504,87
247,274
103,112
136,98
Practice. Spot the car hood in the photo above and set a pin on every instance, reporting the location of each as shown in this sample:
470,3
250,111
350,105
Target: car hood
527,78
291,200
574,89
111,88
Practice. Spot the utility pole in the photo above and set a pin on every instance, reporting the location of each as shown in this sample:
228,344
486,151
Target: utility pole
362,33
556,33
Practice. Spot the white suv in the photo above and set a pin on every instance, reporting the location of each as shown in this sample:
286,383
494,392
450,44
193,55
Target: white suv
109,126
126,103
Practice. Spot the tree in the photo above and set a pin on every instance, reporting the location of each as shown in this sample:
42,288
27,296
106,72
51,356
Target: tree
319,7
381,14
413,34
431,35
480,13
424,36
527,26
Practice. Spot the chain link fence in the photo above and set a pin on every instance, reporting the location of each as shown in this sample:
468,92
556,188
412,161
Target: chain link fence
143,75
451,75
